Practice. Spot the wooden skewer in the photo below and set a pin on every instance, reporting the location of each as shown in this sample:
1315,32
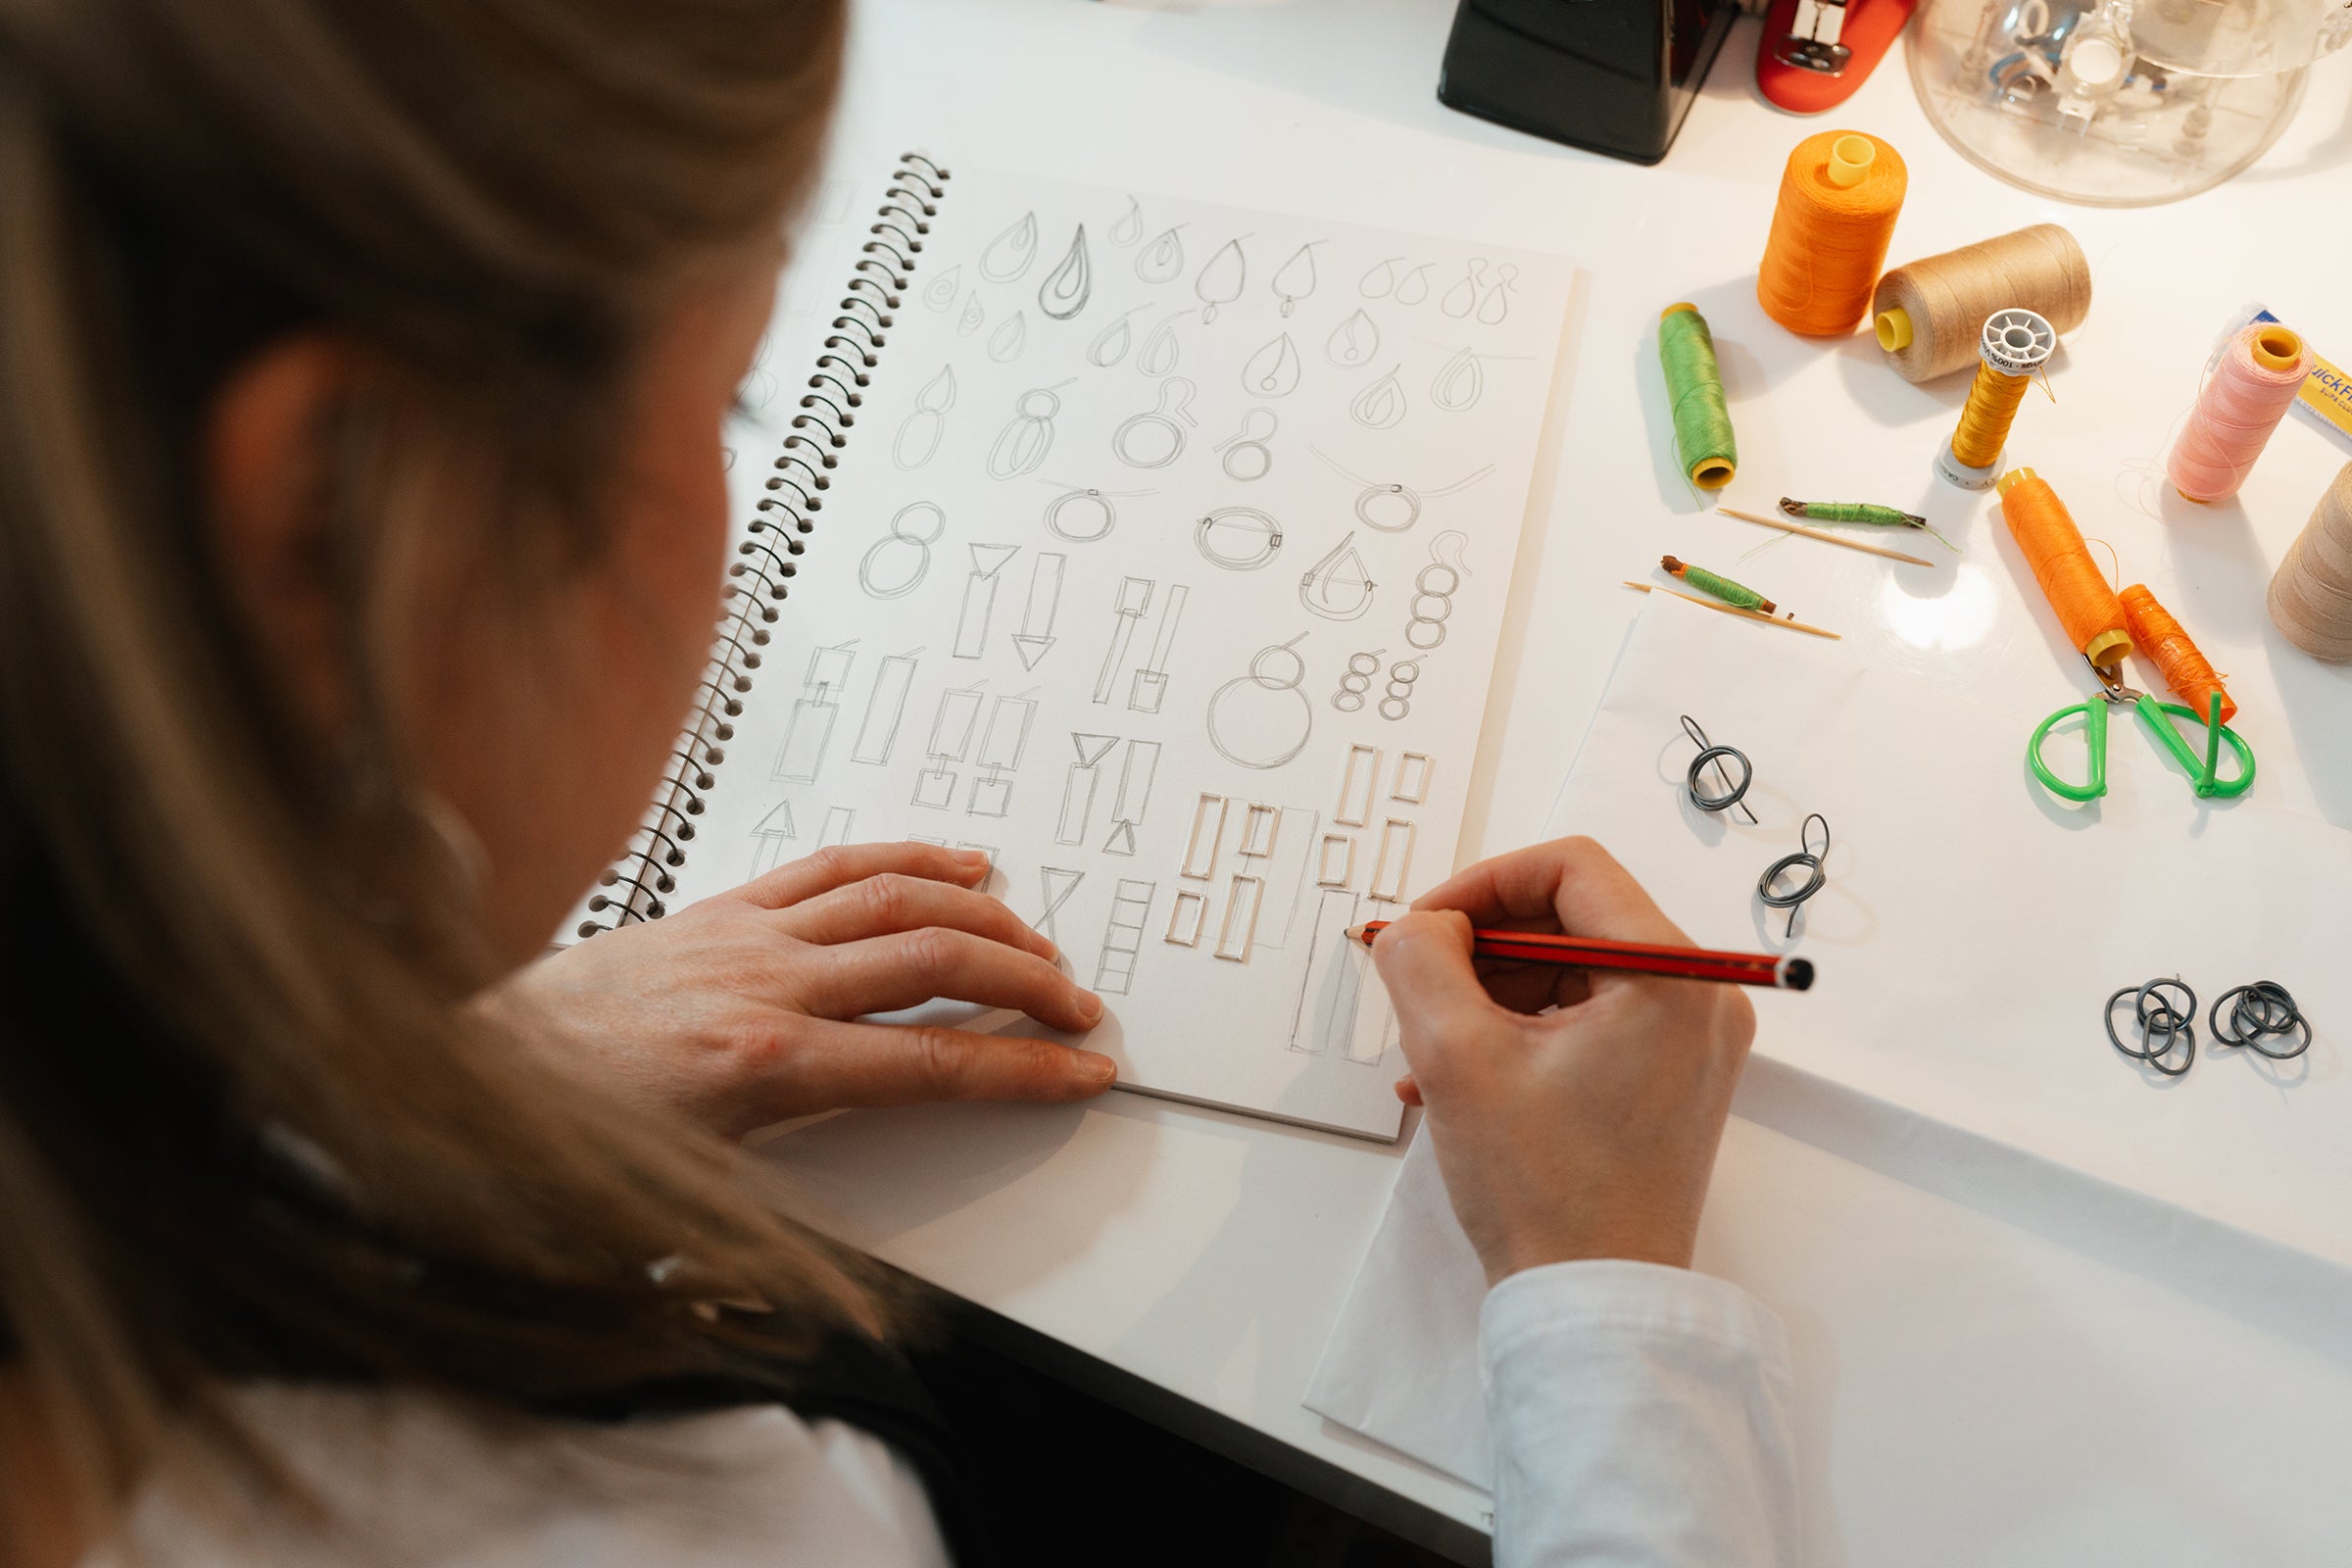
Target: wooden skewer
1743,614
1822,534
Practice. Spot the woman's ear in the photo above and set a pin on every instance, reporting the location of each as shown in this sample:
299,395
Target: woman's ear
265,465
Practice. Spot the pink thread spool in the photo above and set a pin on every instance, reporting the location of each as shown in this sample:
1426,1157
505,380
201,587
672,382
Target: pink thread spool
2248,393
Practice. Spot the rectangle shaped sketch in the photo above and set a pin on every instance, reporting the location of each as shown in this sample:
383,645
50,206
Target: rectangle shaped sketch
1242,897
1412,779
1135,772
878,732
1185,917
1150,685
1209,826
1327,989
1123,936
809,730
1079,785
1336,864
1001,747
1395,862
838,822
1258,831
1357,780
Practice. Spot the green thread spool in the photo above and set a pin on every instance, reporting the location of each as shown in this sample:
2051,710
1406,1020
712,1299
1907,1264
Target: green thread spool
1736,595
1702,419
1858,511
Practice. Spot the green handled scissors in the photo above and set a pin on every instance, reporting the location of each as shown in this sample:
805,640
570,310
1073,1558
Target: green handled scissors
2157,717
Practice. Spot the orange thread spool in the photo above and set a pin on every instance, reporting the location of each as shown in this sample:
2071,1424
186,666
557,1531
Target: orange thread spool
2161,637
1839,195
1993,399
2089,609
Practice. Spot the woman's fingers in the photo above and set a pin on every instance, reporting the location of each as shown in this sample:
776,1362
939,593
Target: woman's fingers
892,902
1424,961
835,1063
1572,883
845,864
905,968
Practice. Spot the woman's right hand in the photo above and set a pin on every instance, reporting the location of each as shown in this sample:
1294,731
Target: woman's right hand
1586,1130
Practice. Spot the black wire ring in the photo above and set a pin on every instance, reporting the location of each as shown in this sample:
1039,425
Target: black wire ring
1807,856
2159,1020
2264,1010
1709,751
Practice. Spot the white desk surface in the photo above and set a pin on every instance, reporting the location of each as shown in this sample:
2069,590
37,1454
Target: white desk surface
1956,1367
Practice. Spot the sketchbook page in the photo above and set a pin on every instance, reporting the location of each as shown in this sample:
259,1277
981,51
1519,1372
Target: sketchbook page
1973,927
1166,563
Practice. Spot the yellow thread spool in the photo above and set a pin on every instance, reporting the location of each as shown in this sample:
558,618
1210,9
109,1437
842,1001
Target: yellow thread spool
2013,345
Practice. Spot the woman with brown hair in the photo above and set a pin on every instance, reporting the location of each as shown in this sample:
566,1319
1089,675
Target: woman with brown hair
361,370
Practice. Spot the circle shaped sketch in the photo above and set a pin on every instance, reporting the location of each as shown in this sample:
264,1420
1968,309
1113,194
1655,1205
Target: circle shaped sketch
1237,538
1389,508
1261,720
878,576
1068,516
1247,456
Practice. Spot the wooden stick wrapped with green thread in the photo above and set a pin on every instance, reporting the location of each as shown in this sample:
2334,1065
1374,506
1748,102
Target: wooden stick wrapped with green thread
1731,593
1702,418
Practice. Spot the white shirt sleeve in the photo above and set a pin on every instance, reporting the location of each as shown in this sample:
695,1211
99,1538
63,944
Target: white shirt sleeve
1640,1418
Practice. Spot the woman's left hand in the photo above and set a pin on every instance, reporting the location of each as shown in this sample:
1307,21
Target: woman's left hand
741,1009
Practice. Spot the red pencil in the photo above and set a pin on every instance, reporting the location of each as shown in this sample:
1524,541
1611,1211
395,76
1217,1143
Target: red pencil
1644,958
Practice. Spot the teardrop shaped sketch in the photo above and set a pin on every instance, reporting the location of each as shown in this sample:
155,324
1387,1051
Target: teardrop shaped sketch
1162,259
1353,342
1294,279
1005,343
1393,506
1339,587
1222,280
1247,456
1495,307
1413,288
1261,720
1379,282
1237,538
1009,254
1128,228
1460,383
1156,439
1021,446
940,293
1461,299
973,315
1111,345
1379,406
1161,350
1067,289
917,440
1273,371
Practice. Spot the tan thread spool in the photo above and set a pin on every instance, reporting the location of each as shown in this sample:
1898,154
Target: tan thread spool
2311,593
1928,313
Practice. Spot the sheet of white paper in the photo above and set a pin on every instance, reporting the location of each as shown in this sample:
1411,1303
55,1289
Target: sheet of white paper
1972,926
1165,561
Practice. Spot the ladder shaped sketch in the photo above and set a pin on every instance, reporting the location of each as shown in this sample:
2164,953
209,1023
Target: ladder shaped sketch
1001,745
809,731
1123,936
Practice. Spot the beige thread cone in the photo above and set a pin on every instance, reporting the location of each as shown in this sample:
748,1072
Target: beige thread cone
2311,593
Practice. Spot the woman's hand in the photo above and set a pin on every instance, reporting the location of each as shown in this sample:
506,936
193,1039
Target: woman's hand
1588,1131
739,1009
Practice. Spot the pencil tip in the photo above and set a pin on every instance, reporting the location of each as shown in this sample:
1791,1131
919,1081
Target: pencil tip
1355,933
1799,975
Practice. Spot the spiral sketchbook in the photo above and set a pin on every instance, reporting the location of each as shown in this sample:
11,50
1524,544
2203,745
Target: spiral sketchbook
1159,550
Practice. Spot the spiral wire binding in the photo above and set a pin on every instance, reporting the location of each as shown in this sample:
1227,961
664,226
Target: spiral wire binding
637,886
